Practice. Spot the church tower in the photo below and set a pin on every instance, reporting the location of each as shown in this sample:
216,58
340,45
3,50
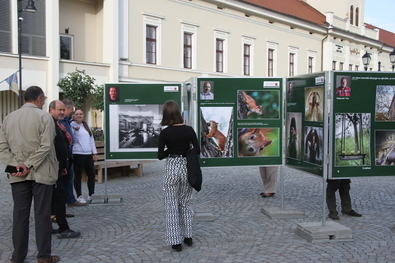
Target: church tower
354,10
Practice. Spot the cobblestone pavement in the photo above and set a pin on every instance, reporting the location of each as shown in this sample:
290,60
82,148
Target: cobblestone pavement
240,232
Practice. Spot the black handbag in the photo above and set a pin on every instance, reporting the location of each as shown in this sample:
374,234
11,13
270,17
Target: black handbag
194,172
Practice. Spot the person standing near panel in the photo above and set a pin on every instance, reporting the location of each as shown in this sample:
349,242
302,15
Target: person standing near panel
177,137
27,142
269,176
343,185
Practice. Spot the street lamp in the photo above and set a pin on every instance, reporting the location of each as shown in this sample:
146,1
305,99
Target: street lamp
392,59
29,8
366,60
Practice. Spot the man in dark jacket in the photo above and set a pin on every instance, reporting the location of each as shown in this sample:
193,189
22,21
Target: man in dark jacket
62,141
69,185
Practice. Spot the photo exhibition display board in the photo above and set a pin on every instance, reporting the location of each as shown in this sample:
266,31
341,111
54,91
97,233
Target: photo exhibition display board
344,119
239,121
305,123
133,113
363,130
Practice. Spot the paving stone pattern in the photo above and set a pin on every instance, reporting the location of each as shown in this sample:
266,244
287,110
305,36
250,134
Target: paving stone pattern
240,232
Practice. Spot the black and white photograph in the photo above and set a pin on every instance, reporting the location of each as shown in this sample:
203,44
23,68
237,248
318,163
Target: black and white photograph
135,127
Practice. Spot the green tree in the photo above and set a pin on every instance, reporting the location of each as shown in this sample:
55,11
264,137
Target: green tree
77,86
98,97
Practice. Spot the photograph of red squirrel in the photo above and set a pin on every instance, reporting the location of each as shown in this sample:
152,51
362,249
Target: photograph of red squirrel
216,125
258,104
258,142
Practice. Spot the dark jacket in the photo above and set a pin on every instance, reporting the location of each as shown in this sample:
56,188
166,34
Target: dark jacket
61,147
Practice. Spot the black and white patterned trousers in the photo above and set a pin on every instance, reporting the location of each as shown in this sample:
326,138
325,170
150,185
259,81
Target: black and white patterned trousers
177,192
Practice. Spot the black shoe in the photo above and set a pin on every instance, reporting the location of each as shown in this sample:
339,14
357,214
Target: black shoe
352,213
188,241
69,234
333,216
55,231
177,248
69,215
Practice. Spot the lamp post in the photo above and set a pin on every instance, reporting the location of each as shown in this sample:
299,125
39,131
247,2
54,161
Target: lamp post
366,60
29,8
392,59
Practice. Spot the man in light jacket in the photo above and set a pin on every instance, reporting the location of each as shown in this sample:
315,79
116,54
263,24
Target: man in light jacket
27,142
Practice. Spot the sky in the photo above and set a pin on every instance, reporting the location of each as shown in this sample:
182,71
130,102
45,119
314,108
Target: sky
380,13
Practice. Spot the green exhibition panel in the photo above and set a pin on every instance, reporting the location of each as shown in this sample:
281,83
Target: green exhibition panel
133,117
240,122
344,119
363,130
305,122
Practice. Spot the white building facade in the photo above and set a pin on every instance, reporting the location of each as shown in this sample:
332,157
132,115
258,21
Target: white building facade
139,41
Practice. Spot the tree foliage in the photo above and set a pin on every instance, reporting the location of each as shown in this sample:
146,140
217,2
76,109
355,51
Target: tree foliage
77,86
98,97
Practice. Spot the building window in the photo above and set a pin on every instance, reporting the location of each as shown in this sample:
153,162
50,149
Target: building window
150,44
246,60
333,65
341,65
33,30
5,26
352,15
356,67
219,55
188,56
66,47
350,67
356,16
310,69
291,64
270,62
187,50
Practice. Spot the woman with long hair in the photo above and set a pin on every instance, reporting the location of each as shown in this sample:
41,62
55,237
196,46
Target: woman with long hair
84,154
176,137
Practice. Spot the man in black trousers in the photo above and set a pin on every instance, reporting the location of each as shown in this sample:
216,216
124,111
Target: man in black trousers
343,185
62,141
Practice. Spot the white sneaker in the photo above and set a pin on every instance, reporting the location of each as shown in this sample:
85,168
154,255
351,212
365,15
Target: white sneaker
89,198
81,199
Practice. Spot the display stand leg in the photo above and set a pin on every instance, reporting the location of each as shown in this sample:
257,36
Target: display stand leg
325,230
281,212
200,215
106,199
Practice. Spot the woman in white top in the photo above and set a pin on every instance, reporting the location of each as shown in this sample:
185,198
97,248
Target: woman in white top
84,154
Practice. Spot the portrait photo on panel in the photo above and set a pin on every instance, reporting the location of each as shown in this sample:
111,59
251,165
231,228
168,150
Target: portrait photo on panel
258,142
385,147
258,104
206,90
113,94
294,135
216,124
290,90
343,88
135,127
385,103
314,104
313,145
352,139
